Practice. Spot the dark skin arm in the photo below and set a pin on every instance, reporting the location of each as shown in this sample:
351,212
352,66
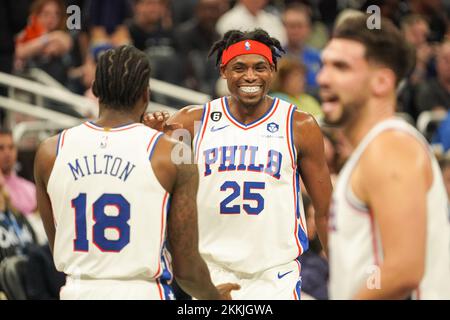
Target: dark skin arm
43,165
314,170
190,271
185,119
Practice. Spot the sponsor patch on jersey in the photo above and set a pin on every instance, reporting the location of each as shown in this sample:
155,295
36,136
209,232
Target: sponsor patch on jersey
273,127
216,116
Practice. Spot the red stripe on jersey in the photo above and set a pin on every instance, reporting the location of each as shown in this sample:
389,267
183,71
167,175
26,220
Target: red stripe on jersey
288,138
163,215
160,290
203,130
374,238
151,140
62,138
131,126
299,246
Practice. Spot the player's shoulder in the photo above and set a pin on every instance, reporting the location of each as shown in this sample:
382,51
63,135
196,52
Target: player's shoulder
46,156
305,124
193,112
303,118
397,149
397,142
187,117
48,146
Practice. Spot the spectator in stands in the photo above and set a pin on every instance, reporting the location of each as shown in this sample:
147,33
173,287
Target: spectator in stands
182,10
297,20
435,93
314,263
151,32
21,192
248,15
106,19
435,13
13,18
289,84
441,137
44,43
15,231
416,31
194,38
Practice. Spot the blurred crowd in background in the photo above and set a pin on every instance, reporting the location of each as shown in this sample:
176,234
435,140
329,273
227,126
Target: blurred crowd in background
177,35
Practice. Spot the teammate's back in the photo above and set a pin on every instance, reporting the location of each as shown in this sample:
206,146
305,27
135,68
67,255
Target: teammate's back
102,218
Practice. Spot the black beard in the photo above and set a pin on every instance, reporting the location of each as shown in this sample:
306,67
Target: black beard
347,116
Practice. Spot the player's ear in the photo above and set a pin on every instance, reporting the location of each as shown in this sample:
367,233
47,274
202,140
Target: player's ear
383,81
222,71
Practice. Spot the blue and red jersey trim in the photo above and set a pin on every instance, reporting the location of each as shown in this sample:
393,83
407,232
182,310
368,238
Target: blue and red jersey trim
234,121
151,145
201,132
93,126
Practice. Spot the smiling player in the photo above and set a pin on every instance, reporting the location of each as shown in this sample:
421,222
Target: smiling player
251,150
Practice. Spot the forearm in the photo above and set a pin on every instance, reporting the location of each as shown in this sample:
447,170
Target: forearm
197,282
388,283
322,231
31,48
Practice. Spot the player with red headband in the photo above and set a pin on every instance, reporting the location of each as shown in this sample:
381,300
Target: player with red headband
251,150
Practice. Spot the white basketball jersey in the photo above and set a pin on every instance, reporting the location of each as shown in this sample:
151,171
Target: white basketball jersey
250,209
354,240
109,208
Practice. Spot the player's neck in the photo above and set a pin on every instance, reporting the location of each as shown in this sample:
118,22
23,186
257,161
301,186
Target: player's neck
373,113
249,113
113,118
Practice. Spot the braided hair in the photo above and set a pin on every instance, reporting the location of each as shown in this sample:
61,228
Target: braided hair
121,77
234,36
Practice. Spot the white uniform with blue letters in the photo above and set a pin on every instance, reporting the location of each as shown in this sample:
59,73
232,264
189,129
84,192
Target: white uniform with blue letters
251,220
110,214
355,246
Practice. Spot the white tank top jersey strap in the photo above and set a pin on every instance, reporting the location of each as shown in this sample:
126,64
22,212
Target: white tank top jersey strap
110,213
354,239
251,215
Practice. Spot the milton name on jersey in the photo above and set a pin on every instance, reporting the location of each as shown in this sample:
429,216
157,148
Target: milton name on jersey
101,165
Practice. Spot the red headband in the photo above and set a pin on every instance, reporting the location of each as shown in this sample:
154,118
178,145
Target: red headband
246,47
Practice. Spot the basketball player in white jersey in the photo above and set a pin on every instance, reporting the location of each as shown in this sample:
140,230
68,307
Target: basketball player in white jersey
251,150
389,231
111,199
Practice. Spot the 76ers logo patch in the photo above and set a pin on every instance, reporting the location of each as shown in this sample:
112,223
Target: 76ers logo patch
216,116
247,45
273,127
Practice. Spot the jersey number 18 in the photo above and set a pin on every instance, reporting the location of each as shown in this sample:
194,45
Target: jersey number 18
102,221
